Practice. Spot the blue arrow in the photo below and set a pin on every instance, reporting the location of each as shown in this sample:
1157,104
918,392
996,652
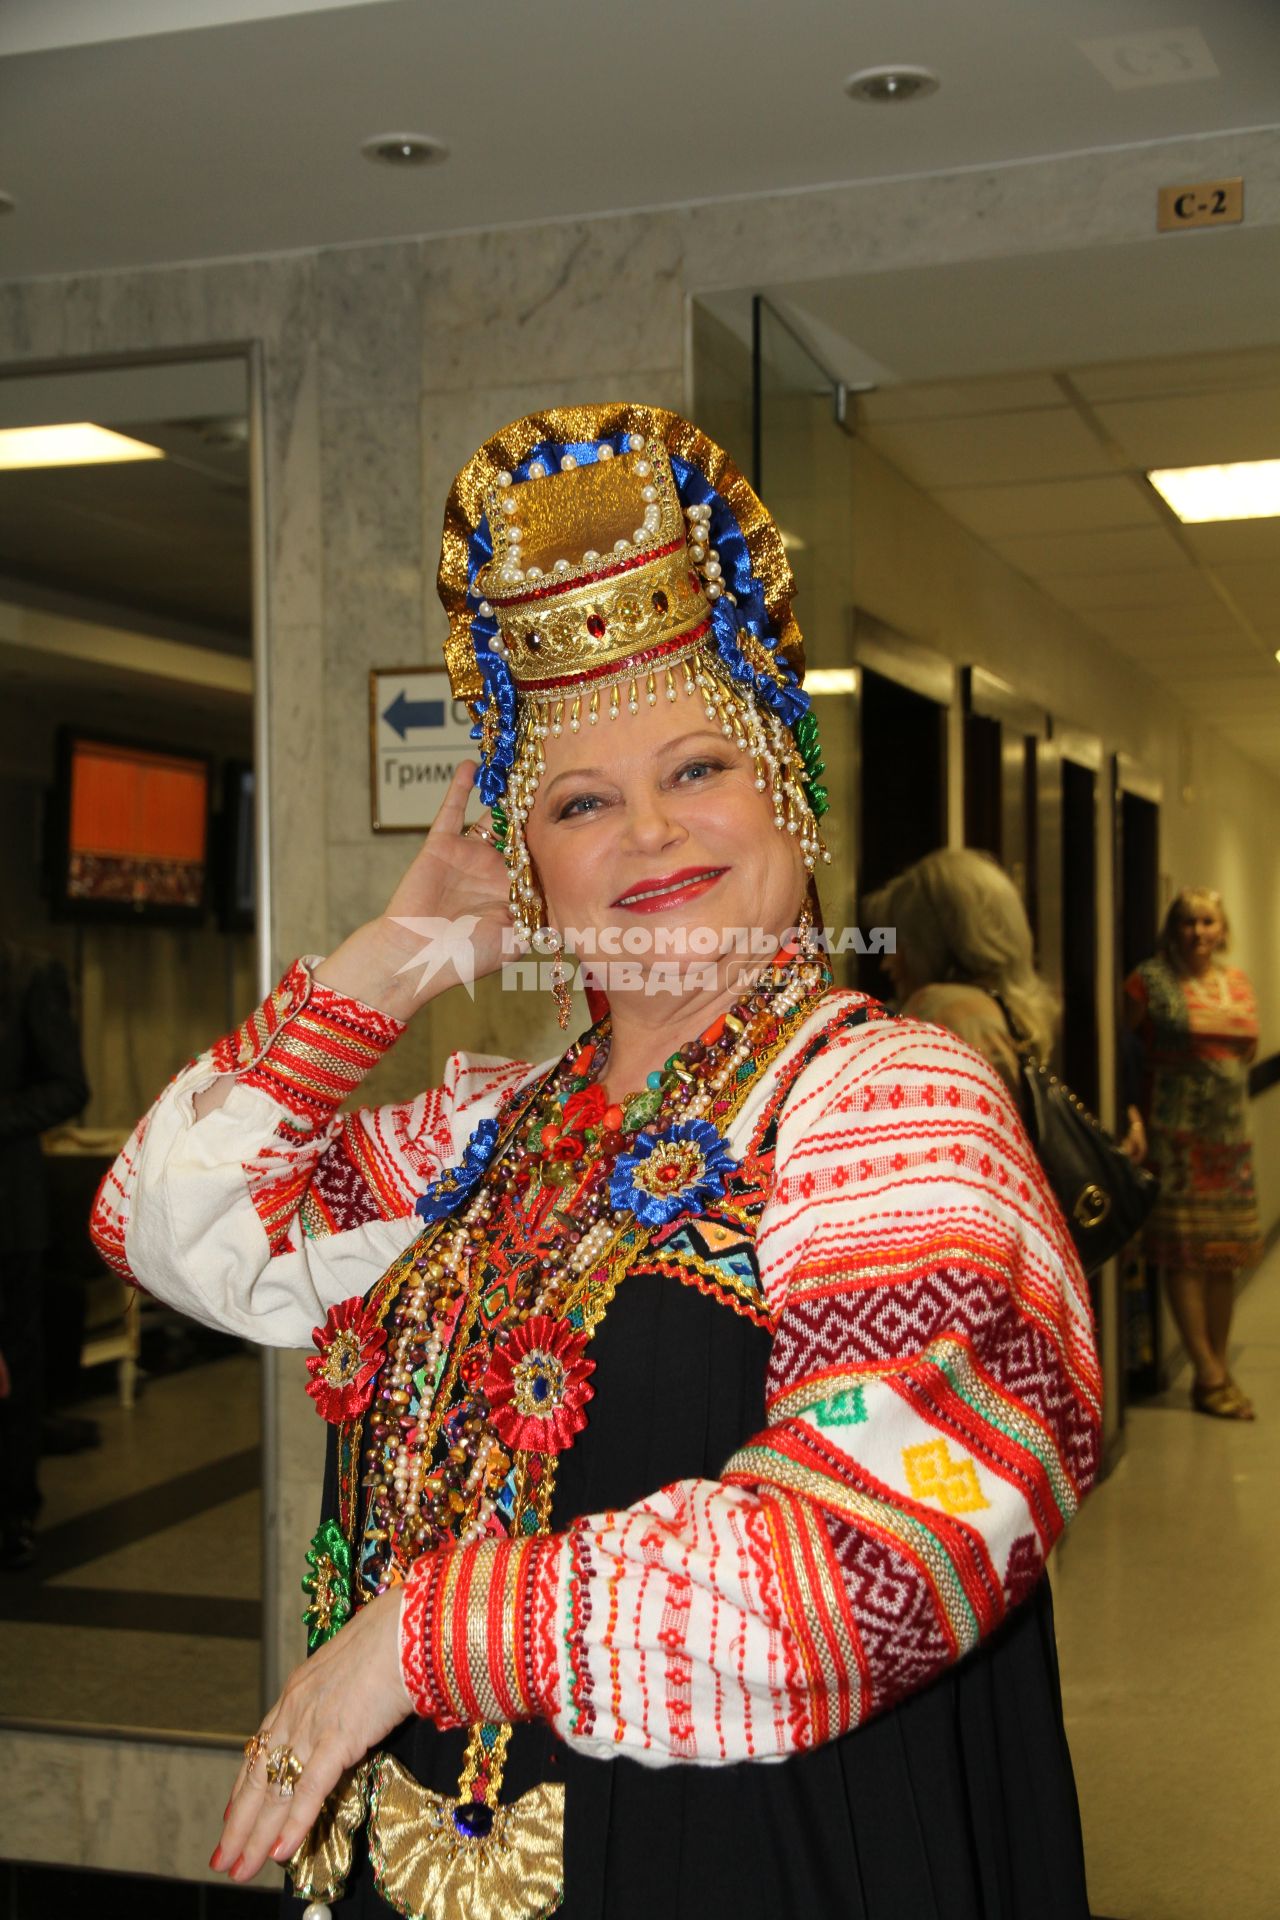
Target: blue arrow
403,714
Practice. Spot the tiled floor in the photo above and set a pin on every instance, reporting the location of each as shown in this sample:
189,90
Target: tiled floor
1168,1604
149,1548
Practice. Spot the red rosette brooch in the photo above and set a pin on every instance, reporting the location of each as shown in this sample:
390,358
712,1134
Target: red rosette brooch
350,1349
537,1386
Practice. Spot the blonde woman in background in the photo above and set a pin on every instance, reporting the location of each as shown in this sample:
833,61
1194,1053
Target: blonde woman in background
963,939
1197,1020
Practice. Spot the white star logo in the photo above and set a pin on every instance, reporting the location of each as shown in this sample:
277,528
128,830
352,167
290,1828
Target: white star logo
445,941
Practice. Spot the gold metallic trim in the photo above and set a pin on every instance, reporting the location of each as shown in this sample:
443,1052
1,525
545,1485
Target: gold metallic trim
321,1867
506,450
423,1865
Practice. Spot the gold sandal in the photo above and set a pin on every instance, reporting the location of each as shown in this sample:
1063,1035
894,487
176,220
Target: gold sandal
1223,1402
1246,1403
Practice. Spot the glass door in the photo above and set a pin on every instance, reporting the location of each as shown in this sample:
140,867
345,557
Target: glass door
802,467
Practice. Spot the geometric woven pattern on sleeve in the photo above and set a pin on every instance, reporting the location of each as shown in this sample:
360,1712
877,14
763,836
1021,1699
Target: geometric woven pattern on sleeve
377,1164
309,1057
1022,1569
846,1329
904,1632
934,1474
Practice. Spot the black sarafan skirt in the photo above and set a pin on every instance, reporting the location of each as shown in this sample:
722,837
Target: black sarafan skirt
958,1804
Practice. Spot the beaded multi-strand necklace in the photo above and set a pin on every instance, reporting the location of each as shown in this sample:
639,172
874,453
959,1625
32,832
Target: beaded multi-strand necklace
463,1389
461,1378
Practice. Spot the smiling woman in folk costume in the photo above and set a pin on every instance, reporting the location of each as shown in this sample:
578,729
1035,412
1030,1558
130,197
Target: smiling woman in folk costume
708,1397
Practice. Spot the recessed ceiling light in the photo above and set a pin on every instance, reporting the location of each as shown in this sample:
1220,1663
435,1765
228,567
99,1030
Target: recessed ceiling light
891,86
1242,490
404,149
76,445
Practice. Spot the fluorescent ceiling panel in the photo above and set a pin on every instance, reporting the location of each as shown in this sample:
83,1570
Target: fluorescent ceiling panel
1242,490
79,444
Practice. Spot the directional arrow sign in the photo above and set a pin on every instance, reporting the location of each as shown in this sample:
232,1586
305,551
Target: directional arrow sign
404,713
418,734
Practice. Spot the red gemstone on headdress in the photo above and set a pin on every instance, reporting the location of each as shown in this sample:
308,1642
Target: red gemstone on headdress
596,625
660,602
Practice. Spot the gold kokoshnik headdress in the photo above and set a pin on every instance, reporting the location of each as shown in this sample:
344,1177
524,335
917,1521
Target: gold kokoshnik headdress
598,557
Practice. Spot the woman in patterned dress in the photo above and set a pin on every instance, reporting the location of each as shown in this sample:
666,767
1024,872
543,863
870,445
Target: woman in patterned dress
1197,1020
675,1431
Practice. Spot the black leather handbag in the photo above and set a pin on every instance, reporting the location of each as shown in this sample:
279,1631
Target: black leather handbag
1104,1195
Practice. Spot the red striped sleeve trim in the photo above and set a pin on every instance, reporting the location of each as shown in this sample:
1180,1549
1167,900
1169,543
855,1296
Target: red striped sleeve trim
474,1619
308,1047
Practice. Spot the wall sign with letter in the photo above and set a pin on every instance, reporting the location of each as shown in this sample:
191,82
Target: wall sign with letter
418,733
1207,203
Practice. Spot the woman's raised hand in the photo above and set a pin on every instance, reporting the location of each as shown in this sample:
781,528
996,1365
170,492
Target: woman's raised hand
446,921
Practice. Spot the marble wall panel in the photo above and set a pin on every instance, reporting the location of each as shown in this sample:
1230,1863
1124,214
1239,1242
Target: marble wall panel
270,298
1067,201
356,856
368,323
295,536
372,566
118,1804
364,872
291,1507
550,303
296,793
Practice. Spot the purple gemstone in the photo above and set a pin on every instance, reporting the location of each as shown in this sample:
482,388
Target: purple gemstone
474,1821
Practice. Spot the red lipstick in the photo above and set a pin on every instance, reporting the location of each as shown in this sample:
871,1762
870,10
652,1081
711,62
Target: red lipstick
668,890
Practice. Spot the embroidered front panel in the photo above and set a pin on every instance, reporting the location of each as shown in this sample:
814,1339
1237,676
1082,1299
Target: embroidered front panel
715,1250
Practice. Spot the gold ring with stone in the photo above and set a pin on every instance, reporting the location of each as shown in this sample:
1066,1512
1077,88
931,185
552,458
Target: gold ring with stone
477,830
284,1770
255,1748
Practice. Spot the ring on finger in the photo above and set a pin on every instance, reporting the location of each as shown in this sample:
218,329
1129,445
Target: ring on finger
284,1770
254,1749
477,830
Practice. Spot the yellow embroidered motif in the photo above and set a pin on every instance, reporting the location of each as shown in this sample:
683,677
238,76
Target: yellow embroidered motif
932,1474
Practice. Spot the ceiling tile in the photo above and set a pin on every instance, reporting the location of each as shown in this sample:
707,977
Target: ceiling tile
1052,506
1180,373
1156,622
1197,430
1255,585
993,449
1222,541
1103,551
1174,586
944,399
